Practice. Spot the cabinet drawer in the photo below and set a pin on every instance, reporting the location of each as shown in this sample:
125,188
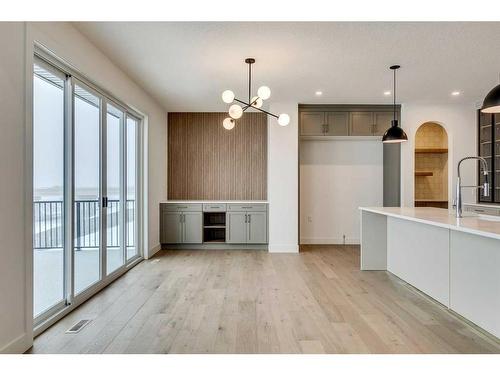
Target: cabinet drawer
214,207
247,207
187,207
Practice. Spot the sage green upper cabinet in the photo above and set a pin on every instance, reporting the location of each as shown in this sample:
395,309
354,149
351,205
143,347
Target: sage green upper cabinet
337,123
324,123
382,122
345,120
361,123
312,123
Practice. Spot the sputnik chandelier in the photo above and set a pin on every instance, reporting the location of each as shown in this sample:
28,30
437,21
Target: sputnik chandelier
256,102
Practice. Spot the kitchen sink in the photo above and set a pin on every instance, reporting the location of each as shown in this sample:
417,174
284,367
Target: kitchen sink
489,217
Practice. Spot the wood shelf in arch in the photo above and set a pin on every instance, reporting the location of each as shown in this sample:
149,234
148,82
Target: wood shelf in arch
424,173
431,150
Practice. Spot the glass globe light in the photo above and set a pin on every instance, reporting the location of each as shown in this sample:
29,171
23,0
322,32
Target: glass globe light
264,92
235,111
257,102
283,119
228,123
228,96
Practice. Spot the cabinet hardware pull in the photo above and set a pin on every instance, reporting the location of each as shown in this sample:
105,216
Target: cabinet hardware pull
249,218
181,206
246,218
247,207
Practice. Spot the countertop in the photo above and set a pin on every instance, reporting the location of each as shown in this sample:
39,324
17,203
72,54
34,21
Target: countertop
213,202
470,223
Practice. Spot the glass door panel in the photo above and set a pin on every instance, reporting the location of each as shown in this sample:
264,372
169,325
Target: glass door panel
114,188
131,190
48,189
87,126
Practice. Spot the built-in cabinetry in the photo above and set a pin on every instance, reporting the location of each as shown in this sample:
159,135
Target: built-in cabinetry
214,222
181,223
489,148
345,120
246,224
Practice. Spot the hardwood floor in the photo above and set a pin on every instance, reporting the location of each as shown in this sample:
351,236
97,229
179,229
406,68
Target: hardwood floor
317,301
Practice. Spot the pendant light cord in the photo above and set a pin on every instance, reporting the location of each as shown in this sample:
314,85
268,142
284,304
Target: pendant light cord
249,82
394,96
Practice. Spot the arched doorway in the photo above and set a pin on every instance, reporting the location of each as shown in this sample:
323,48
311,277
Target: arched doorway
431,166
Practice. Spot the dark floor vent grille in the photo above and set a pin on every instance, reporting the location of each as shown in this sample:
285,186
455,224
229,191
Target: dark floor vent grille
78,326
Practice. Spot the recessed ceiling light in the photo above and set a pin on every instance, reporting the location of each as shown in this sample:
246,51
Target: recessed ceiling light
318,93
387,93
455,93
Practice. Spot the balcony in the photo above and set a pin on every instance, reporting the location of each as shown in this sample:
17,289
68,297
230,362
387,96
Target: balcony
48,240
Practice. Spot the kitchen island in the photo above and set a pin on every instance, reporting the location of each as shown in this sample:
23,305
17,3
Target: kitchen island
454,261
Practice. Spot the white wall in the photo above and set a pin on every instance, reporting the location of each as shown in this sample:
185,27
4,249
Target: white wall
460,123
17,40
282,180
14,325
336,178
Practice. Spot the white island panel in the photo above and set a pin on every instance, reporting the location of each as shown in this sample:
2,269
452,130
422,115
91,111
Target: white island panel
475,279
419,254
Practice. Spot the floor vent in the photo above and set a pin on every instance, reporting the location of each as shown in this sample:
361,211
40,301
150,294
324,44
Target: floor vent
78,326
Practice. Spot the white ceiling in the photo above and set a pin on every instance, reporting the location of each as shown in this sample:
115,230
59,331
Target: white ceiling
187,65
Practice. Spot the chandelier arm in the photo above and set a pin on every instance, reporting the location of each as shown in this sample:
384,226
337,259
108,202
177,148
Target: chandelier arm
258,109
249,105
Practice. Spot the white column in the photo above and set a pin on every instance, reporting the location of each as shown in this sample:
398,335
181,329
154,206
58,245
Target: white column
282,180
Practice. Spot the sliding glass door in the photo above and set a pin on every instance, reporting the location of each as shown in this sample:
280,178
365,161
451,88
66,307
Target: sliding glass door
131,227
49,255
115,251
86,193
85,182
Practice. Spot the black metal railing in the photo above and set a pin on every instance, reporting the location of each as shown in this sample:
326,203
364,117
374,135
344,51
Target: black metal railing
48,224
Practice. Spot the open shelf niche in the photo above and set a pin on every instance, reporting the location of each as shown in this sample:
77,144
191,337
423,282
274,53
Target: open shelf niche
431,166
214,227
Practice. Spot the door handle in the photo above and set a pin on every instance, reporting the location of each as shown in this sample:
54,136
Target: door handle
246,218
249,218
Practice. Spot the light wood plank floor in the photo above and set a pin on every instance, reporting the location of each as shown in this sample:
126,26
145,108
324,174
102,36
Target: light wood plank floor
255,302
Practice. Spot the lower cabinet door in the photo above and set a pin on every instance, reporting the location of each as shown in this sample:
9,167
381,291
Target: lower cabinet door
236,227
171,227
193,227
257,227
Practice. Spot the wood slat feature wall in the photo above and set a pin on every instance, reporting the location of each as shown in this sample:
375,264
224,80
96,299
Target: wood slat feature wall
208,162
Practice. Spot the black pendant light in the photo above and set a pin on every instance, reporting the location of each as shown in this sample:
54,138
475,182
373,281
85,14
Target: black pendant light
491,103
394,134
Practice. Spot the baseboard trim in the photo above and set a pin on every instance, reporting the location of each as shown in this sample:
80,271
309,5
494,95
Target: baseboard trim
18,346
284,248
214,246
329,241
153,251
